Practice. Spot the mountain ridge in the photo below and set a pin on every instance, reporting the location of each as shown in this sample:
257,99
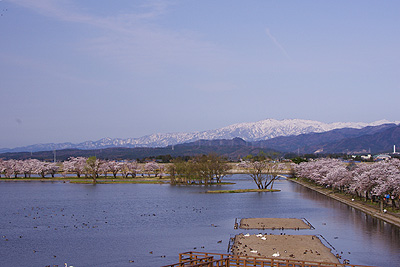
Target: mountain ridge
371,139
249,131
345,140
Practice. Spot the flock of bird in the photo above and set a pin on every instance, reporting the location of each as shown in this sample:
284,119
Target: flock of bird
39,218
240,248
56,219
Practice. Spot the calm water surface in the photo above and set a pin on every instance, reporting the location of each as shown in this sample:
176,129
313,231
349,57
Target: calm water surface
44,223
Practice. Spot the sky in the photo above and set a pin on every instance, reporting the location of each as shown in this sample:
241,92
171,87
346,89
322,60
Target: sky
72,71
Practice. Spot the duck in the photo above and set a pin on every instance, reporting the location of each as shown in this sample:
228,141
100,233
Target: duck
276,254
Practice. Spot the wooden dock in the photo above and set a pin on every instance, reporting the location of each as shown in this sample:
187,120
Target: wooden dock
197,259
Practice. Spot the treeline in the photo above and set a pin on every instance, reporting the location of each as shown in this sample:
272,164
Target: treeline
204,169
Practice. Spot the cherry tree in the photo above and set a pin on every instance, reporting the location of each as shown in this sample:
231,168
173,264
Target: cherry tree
105,167
52,168
40,168
124,169
7,167
114,168
27,167
133,168
2,167
75,165
152,167
386,178
15,167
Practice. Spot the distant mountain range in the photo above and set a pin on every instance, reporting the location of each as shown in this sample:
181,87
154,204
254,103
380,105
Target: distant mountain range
233,149
370,139
268,129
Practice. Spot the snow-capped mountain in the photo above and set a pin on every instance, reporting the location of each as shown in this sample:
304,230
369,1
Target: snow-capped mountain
250,131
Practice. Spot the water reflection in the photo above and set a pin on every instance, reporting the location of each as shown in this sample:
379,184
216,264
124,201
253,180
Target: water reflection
379,239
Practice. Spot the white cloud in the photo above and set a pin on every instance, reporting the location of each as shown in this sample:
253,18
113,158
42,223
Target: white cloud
277,44
135,40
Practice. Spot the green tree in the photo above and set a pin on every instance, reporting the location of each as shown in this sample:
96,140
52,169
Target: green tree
93,168
218,166
200,169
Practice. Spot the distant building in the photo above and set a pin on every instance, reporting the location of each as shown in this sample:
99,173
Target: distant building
366,157
382,157
394,151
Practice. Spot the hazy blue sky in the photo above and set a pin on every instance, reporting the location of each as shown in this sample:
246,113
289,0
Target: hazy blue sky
72,71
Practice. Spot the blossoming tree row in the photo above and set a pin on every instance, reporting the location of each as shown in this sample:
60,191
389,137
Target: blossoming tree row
379,181
90,167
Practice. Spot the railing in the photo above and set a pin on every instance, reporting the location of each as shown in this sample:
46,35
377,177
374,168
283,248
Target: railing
193,262
194,258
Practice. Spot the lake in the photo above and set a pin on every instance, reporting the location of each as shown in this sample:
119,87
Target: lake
52,223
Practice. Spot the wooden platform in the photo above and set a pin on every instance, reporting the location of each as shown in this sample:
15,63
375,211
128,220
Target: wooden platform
274,223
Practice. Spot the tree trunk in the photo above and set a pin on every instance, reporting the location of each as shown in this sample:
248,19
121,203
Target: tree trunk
94,178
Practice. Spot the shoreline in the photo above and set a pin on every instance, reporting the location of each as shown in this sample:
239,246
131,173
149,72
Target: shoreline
75,180
357,204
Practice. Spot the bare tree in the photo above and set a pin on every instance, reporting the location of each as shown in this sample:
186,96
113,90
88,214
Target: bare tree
263,173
